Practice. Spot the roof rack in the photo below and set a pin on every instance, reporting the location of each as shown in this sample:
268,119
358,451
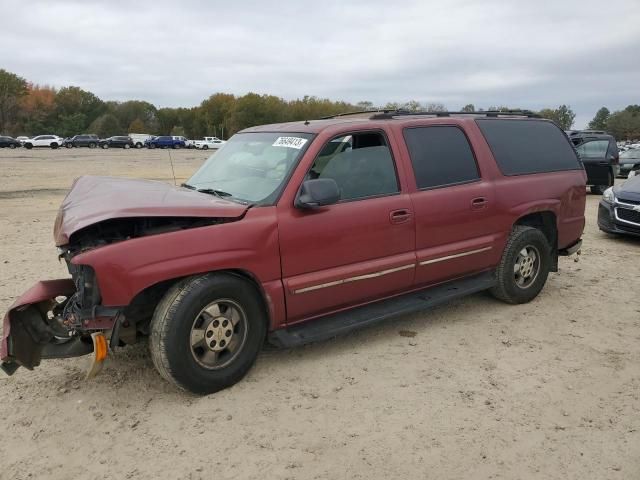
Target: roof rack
487,113
383,114
592,132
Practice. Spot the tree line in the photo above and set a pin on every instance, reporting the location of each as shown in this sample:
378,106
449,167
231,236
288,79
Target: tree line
30,109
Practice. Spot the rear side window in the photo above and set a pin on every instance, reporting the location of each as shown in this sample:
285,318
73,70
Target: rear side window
528,146
440,155
593,149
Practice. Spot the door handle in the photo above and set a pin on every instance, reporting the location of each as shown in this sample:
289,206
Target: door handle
479,203
399,216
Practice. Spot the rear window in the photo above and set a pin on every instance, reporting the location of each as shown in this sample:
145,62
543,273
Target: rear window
522,147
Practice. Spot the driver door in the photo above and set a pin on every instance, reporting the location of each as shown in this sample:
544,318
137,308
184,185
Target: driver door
358,250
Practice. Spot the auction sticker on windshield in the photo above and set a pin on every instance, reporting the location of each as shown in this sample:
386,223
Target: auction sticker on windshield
290,142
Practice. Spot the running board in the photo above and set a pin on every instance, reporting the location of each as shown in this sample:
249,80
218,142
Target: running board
340,323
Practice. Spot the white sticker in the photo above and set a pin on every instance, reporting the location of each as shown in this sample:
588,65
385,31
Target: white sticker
290,142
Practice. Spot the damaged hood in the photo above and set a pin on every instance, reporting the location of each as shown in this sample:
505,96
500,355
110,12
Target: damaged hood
94,199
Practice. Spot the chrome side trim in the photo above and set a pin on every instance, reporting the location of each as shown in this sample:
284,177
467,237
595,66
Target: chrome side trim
354,279
451,257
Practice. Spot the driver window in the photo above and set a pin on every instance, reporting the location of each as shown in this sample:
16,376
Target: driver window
360,163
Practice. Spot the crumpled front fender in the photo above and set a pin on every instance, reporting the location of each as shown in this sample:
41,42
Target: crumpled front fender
24,330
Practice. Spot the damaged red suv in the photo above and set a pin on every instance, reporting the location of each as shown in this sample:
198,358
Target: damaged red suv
303,231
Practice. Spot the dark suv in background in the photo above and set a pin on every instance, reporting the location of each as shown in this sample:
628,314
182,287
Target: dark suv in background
90,141
599,154
116,142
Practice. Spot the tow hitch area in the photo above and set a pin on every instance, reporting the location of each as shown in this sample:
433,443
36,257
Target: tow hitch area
39,325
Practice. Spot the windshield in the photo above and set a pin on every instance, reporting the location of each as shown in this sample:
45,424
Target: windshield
251,167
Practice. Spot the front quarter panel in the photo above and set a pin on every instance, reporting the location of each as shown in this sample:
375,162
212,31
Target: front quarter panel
249,244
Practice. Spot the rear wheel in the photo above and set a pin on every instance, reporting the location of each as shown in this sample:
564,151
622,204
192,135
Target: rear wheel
207,331
152,146
176,146
127,146
524,266
28,146
599,189
69,145
205,147
92,145
105,146
12,146
139,145
54,145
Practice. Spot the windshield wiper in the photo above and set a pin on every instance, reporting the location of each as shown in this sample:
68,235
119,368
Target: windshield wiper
213,191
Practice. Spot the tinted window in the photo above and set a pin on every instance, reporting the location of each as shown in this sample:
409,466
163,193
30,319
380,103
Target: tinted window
440,156
528,146
595,148
360,163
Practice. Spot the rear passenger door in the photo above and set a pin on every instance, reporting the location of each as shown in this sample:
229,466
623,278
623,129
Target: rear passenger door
454,206
593,154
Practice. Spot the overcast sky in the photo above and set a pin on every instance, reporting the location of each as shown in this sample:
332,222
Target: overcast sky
529,54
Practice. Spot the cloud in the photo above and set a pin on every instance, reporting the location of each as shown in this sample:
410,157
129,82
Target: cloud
516,53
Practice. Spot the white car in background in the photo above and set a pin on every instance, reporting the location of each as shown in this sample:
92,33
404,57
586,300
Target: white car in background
138,139
208,143
22,139
51,141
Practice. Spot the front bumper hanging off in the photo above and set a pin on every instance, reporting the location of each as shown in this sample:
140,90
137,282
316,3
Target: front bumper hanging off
27,333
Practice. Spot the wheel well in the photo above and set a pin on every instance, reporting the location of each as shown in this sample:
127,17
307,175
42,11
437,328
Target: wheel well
546,223
142,306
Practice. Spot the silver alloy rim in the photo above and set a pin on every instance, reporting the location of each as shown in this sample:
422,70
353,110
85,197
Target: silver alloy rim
218,334
527,266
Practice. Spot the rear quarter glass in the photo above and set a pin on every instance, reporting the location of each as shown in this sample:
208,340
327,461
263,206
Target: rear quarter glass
523,147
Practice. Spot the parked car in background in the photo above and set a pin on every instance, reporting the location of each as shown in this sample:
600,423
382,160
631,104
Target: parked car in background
599,154
116,142
85,140
302,232
9,142
22,139
51,141
166,141
208,143
139,139
629,160
619,209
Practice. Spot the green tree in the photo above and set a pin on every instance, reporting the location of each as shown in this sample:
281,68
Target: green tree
435,107
624,125
72,101
106,125
131,110
599,122
412,106
563,116
468,108
12,89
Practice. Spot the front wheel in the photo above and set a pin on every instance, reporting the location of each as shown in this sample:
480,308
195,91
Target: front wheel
28,146
127,146
205,147
105,146
176,146
207,331
54,145
12,146
524,267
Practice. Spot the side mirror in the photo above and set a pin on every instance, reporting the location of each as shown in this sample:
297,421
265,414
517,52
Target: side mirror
318,193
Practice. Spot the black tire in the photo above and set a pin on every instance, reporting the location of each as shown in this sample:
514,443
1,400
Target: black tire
92,145
69,145
507,288
127,146
152,146
176,146
12,146
598,189
28,146
174,319
139,145
205,147
105,146
54,145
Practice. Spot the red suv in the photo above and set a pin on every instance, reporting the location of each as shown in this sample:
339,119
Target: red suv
302,231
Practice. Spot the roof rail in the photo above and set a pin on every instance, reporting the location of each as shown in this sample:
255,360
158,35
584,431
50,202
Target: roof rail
487,113
359,112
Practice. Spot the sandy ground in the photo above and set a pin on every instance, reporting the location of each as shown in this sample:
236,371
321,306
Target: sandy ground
547,390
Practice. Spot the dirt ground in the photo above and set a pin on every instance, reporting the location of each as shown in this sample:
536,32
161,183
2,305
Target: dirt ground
547,390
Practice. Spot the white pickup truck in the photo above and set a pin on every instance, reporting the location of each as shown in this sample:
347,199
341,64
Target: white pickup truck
208,142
